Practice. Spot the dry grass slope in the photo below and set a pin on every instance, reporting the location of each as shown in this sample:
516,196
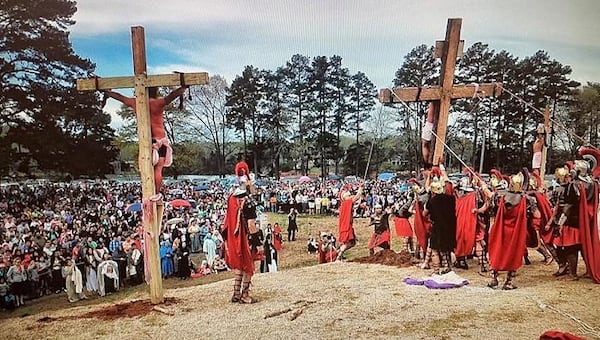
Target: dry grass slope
331,301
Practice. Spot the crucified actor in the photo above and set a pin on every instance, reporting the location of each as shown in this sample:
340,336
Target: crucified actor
538,147
162,153
427,133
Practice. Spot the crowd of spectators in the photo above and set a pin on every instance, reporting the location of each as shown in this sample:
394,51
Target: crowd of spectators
85,237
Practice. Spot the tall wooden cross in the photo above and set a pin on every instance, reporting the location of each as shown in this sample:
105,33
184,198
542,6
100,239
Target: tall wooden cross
141,82
448,50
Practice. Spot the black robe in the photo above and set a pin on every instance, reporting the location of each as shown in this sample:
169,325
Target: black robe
442,213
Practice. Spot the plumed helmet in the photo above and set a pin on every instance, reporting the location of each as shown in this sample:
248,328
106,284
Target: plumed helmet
592,156
560,174
495,178
535,182
437,186
516,182
581,166
241,169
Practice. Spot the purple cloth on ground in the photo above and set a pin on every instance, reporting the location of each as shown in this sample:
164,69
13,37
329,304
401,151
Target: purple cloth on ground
413,282
437,285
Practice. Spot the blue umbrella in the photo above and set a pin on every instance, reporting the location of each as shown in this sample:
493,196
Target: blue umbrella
385,176
134,207
333,178
201,187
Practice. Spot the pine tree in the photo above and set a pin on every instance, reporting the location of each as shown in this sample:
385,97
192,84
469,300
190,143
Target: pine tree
59,126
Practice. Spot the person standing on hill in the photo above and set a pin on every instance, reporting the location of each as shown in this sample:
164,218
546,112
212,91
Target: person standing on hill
292,224
347,237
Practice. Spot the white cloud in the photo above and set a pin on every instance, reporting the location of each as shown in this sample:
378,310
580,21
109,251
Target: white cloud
372,36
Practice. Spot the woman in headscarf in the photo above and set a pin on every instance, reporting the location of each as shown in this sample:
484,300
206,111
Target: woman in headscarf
108,276
166,258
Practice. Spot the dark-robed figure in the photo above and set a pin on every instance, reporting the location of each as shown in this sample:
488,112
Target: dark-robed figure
441,211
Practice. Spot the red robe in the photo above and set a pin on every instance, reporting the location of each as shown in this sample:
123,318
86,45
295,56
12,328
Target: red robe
326,257
508,236
237,255
466,223
590,238
379,239
402,227
277,238
546,211
345,222
422,227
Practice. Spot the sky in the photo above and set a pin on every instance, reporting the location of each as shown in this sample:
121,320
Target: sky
221,37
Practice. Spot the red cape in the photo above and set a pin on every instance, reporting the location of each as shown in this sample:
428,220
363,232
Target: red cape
466,222
326,257
277,237
377,240
402,227
508,236
237,255
590,238
345,222
422,227
546,211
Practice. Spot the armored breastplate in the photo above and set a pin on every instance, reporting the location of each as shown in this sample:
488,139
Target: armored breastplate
569,204
512,199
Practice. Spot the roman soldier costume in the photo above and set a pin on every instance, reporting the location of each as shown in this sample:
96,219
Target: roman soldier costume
381,230
242,239
509,232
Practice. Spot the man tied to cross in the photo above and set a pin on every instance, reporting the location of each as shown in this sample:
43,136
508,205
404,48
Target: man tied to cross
162,153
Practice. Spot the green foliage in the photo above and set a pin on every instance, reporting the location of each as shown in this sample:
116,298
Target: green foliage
56,126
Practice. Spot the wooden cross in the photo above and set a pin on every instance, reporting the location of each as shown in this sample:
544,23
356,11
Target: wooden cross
448,50
141,82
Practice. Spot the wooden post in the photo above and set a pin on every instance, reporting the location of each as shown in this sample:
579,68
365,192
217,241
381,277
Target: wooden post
548,130
151,226
141,82
449,55
448,50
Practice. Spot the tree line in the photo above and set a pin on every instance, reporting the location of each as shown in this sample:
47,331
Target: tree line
311,112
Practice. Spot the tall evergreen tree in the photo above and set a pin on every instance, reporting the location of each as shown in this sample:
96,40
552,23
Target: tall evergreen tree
58,126
362,101
242,101
297,72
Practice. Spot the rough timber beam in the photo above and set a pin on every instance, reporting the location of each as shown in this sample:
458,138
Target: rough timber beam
166,80
429,93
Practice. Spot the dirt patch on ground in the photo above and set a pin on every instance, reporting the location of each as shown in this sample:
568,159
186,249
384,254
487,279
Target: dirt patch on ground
387,257
339,301
130,309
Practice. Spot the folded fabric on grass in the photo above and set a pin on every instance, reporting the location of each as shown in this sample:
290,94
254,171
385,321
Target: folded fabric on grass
435,281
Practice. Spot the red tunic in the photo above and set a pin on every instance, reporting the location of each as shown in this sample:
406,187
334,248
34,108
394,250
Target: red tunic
345,222
402,227
590,238
466,223
237,255
508,236
379,239
277,238
546,211
326,257
422,227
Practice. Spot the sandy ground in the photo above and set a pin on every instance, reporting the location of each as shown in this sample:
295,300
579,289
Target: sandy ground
339,301
330,301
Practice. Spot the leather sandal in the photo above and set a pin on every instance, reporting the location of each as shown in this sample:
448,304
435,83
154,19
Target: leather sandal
247,300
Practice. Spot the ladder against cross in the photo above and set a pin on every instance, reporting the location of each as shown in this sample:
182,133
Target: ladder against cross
448,50
140,81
